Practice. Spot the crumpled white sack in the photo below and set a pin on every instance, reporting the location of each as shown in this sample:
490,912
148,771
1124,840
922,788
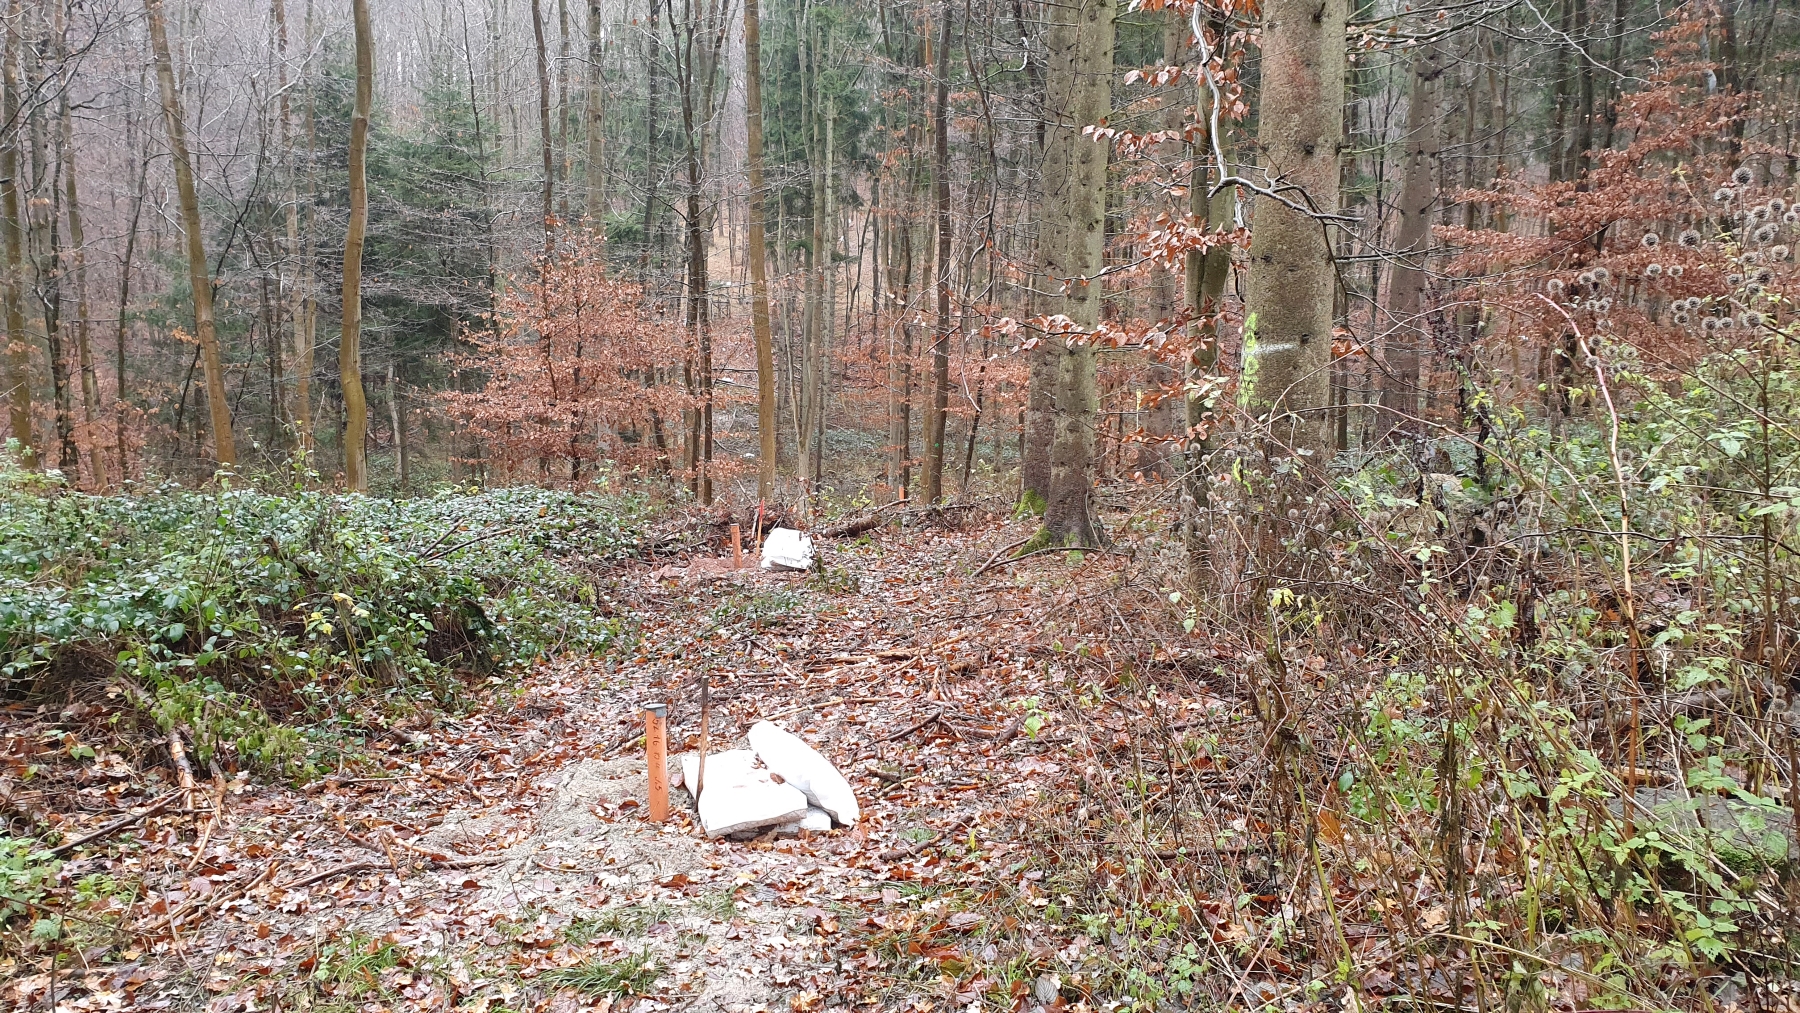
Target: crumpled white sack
739,795
787,549
801,766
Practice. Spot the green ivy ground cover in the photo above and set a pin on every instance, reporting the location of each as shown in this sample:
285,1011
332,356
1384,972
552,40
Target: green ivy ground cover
252,617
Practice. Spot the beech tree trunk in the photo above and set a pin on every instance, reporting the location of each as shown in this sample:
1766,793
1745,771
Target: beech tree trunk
595,114
1292,283
939,404
84,349
18,350
767,447
1203,292
544,136
356,405
199,273
1404,336
1078,87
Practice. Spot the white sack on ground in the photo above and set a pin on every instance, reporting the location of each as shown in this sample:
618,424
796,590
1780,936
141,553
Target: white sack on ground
787,549
801,766
738,795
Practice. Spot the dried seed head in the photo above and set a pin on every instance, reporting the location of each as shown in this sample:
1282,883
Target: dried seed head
1726,323
1778,252
1606,304
1764,276
1734,279
1742,175
1681,318
1676,270
1766,233
1585,278
1752,257
1650,240
1762,212
1792,218
1652,270
1777,205
1710,324
1689,239
1554,286
1752,288
1751,318
1723,195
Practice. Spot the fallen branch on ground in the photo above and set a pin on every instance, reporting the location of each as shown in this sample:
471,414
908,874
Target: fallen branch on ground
116,825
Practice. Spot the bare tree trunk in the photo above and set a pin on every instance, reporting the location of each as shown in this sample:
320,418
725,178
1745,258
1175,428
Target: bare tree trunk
767,448
699,317
1292,281
45,239
1203,291
653,41
939,405
563,56
120,449
90,384
1078,85
544,136
18,349
356,406
595,115
812,311
1404,335
397,419
199,273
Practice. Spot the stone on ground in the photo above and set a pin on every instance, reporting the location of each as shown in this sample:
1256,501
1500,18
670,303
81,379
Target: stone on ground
803,767
738,795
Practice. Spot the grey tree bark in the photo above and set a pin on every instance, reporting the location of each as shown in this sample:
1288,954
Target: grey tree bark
1292,281
1206,274
938,407
18,349
1404,334
356,405
199,273
1078,91
759,272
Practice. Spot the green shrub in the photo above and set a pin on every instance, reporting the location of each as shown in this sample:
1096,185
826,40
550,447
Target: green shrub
227,605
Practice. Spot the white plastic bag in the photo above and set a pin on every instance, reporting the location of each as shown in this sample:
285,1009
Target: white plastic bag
787,549
801,766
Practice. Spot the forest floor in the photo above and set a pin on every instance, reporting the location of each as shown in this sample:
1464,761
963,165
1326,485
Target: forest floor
501,859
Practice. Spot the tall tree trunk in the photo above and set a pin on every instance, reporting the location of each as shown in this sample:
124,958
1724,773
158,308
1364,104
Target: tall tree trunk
595,116
51,257
1292,283
652,43
563,56
397,419
1078,86
939,405
544,136
356,406
299,414
699,317
120,448
767,449
813,311
1404,335
1203,292
90,384
18,347
199,273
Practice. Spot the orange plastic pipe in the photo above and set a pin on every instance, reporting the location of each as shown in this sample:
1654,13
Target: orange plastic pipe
656,757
